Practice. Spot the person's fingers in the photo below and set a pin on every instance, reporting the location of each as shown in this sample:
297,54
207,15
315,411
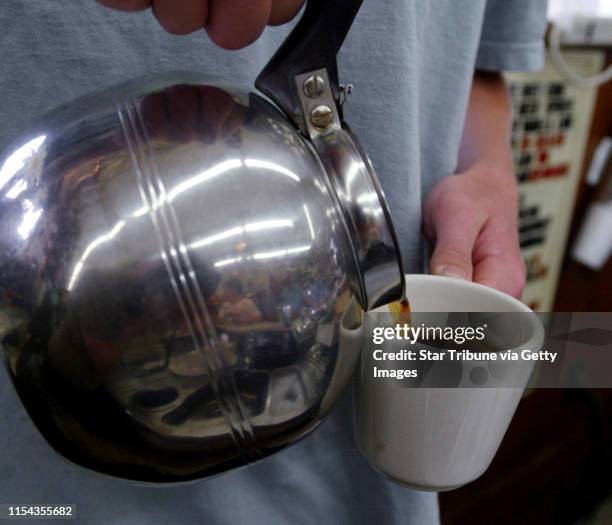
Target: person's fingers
126,5
498,262
233,24
283,11
181,17
453,225
503,272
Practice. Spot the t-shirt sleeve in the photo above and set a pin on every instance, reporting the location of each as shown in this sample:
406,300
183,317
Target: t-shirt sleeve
512,36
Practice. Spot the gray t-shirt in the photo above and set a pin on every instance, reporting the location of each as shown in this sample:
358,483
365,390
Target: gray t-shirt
412,63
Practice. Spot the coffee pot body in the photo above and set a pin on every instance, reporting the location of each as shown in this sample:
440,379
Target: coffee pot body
178,257
175,263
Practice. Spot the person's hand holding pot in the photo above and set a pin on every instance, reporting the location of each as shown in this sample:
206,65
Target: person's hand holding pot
231,24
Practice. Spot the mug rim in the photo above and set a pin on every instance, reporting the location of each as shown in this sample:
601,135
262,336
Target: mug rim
439,279
537,329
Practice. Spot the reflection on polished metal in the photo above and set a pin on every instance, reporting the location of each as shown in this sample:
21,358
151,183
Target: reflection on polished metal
176,261
362,201
173,285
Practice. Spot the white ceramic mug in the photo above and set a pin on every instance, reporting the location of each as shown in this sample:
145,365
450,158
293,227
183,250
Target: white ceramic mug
441,438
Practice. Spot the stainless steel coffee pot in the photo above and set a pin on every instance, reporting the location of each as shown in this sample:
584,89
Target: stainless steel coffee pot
177,258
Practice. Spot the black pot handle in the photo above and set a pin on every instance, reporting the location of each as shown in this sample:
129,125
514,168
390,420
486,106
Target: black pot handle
313,44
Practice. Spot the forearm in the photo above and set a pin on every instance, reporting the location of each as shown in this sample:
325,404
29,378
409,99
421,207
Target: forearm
486,133
471,217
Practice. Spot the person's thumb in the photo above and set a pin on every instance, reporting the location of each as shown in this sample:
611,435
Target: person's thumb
453,228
